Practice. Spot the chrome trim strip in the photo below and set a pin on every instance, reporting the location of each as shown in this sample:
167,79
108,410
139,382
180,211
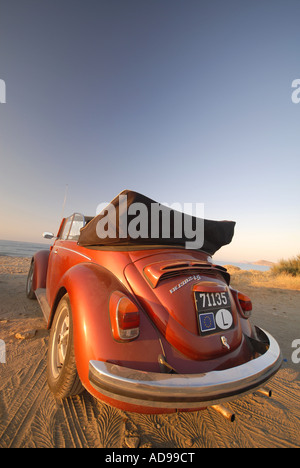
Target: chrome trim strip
151,389
74,251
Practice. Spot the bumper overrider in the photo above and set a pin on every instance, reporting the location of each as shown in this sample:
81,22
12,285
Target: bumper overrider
159,390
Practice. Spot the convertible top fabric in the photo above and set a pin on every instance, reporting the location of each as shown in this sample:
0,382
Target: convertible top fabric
216,233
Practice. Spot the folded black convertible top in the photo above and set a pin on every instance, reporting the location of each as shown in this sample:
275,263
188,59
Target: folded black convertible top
124,212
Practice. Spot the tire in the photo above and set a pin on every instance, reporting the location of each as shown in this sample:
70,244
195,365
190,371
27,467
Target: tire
63,379
29,291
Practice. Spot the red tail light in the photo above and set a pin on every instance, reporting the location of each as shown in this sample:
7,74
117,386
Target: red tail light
245,303
124,317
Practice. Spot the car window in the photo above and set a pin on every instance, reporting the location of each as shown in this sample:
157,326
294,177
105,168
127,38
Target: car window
71,227
77,224
66,229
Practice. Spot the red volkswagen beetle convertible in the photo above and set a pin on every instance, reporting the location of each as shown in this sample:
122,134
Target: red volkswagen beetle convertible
141,321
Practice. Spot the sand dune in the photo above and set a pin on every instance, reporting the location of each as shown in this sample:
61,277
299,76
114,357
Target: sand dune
31,417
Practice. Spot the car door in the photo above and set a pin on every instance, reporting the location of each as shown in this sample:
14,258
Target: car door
63,254
55,264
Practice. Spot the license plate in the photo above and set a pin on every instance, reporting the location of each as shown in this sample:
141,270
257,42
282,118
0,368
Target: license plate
214,312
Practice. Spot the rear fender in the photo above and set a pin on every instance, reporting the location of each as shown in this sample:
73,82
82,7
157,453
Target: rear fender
89,287
40,260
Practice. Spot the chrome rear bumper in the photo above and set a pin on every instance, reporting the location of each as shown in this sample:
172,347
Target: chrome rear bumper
157,390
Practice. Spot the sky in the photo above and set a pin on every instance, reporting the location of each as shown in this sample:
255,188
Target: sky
185,101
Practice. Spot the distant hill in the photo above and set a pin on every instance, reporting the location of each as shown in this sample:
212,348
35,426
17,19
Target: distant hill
263,262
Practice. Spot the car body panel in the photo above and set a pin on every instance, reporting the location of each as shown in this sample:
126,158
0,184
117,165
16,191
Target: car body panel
165,284
174,313
41,259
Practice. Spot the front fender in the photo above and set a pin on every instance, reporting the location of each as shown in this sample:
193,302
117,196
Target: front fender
40,260
89,287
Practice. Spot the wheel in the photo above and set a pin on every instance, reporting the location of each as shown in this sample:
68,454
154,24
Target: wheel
29,291
62,375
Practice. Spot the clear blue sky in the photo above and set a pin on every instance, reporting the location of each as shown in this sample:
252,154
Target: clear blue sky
181,100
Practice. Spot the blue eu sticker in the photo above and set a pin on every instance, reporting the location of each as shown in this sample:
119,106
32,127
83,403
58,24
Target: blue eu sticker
207,322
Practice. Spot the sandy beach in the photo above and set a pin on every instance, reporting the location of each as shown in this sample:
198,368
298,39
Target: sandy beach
31,417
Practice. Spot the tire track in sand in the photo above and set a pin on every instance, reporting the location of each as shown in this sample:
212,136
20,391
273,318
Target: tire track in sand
24,404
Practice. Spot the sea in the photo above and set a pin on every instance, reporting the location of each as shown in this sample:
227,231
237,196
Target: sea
28,249
243,265
20,249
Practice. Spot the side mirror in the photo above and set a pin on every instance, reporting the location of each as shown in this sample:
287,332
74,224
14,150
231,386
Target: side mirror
48,235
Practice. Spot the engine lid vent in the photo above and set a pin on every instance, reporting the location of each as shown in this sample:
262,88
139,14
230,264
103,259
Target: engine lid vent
163,270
